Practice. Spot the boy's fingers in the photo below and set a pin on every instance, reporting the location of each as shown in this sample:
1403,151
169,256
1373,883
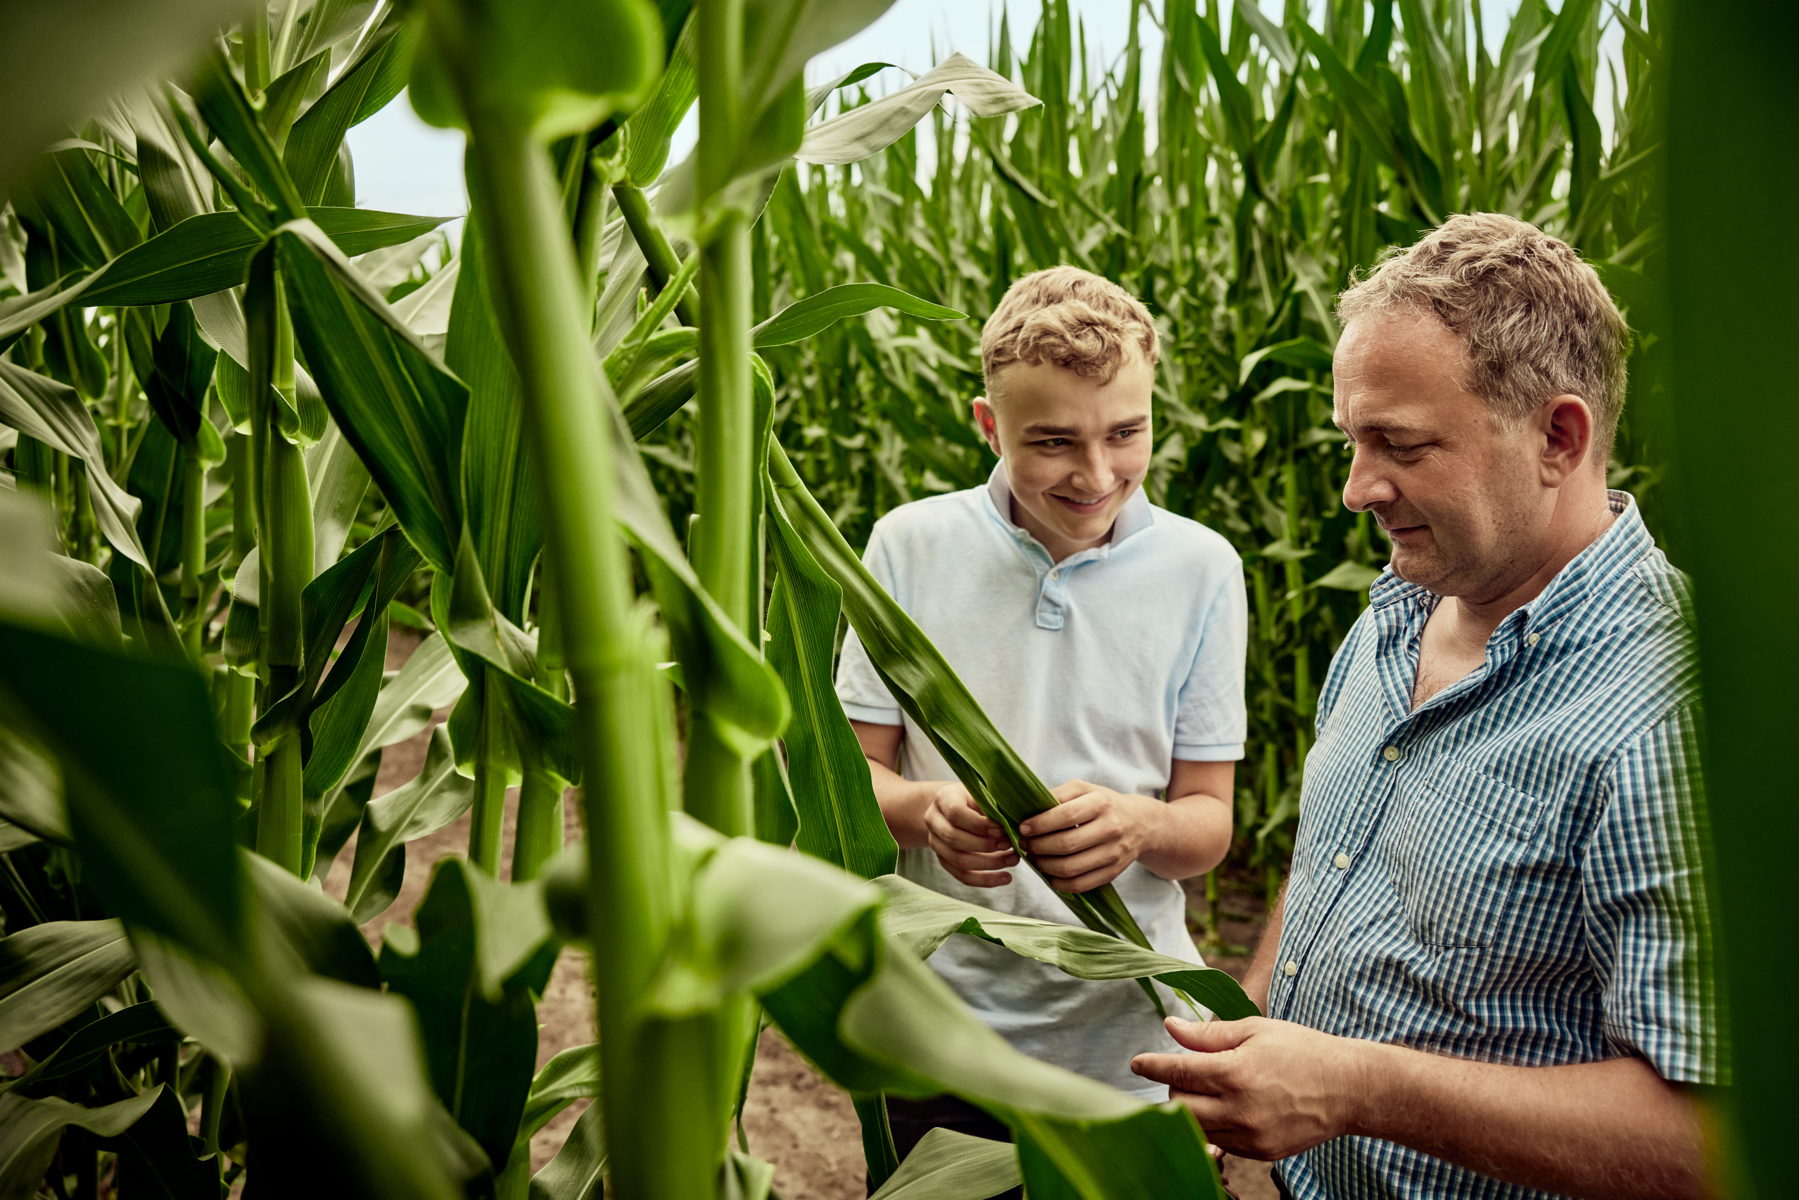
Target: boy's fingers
1074,866
982,879
1077,810
967,816
1070,841
941,829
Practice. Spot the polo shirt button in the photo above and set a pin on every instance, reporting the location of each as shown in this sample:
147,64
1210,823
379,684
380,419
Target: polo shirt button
1531,639
1391,754
1055,574
1291,969
1341,862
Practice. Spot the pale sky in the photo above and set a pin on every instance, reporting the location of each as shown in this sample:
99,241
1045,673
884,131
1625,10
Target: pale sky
404,165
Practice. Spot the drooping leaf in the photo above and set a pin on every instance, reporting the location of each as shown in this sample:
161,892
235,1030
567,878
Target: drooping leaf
946,1165
150,803
925,685
430,801
923,920
481,1051
870,128
29,1131
52,972
402,411
361,89
804,318
840,820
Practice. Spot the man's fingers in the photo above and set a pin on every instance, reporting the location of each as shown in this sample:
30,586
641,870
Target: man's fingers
1183,1072
1210,1037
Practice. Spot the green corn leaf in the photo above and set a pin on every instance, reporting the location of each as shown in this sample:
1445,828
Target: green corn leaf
57,970
362,89
30,1130
652,127
840,820
157,1156
338,481
501,492
429,680
923,920
571,1075
235,122
142,1023
579,1168
874,1018
434,798
90,223
481,1052
31,790
52,413
810,316
946,1165
870,128
1294,352
150,803
927,688
402,411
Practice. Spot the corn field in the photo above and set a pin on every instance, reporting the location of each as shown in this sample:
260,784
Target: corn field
615,456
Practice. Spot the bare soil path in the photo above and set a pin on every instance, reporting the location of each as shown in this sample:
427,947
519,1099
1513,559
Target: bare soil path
793,1118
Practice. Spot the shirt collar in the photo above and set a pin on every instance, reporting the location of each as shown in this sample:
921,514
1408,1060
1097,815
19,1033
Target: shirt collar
1133,518
1613,552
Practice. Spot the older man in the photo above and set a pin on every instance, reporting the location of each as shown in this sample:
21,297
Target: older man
1490,974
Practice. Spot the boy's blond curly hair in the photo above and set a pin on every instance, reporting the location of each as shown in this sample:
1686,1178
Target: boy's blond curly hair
1068,318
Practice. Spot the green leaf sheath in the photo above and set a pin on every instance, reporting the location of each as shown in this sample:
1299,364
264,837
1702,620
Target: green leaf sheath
840,819
927,688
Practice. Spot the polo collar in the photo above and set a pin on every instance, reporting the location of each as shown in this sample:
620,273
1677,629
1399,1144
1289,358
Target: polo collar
1132,519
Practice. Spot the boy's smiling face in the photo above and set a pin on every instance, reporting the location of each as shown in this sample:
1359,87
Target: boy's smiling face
1075,449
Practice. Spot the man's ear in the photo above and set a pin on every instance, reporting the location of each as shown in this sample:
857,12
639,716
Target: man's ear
1566,426
987,422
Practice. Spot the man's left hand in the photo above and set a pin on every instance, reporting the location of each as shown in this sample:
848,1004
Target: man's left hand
1261,1089
1091,836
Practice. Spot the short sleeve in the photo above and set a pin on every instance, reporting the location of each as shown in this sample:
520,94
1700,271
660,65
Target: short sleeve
860,690
1648,925
1211,722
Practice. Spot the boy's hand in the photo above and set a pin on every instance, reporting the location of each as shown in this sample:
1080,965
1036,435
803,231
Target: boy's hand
1091,836
969,846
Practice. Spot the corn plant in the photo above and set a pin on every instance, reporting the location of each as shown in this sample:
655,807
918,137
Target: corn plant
248,421
1234,185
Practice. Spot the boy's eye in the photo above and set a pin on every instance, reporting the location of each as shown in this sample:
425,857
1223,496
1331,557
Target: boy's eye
1125,433
1053,443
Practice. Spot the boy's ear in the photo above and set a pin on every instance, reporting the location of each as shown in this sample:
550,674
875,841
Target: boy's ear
986,422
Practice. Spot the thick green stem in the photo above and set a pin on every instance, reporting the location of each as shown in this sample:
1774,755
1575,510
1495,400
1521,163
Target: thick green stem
285,535
212,1104
552,669
537,297
590,230
193,549
539,822
658,253
487,821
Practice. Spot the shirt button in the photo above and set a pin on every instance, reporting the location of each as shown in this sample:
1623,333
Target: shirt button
1291,969
1391,754
1531,639
1055,574
1341,862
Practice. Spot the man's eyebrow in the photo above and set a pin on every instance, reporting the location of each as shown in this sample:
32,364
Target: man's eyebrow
1382,427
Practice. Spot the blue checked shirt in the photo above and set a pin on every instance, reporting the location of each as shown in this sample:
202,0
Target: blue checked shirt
1509,873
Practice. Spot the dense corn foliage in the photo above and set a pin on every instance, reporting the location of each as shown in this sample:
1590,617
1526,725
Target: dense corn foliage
1234,184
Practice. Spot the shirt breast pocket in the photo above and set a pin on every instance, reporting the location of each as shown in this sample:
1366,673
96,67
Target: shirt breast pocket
1462,845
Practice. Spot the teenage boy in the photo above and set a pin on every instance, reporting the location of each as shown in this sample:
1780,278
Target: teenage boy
1105,637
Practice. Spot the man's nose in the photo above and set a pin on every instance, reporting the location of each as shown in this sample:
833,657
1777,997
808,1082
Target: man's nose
1366,486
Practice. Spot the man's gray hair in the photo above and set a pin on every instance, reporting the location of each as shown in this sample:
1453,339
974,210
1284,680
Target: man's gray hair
1536,319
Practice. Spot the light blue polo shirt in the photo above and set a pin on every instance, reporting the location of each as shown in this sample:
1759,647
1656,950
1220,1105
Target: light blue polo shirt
1105,667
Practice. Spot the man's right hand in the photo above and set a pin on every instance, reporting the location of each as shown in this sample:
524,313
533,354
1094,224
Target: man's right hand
970,847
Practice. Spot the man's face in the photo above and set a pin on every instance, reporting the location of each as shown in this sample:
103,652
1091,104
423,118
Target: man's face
1074,449
1460,497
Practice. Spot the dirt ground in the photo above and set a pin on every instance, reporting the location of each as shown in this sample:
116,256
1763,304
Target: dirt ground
793,1118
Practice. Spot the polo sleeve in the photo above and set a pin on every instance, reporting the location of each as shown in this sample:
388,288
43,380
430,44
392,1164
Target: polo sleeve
1648,926
1211,722
859,688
